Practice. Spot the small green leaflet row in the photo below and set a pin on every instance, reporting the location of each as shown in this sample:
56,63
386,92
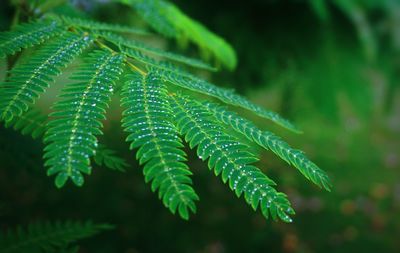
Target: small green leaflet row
71,137
30,79
48,236
148,120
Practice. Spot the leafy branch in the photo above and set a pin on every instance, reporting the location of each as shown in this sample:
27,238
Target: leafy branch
158,117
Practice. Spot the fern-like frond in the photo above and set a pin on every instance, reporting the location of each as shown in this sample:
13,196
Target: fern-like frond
154,13
147,119
136,45
228,96
170,21
228,157
71,137
47,236
154,118
30,79
108,158
272,142
99,26
32,123
209,42
27,35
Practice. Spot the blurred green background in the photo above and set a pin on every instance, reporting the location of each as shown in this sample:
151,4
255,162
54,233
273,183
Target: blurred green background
333,69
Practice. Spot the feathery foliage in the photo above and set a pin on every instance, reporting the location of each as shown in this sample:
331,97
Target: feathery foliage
107,157
30,79
137,46
170,21
156,115
271,142
227,96
93,25
147,119
155,14
71,138
27,35
48,236
230,158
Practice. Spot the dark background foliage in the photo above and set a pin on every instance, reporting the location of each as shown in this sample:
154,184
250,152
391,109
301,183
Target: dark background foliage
316,72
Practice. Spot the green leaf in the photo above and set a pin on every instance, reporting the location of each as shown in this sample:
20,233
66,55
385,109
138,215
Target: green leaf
71,137
108,158
138,46
190,82
93,25
228,157
31,78
170,21
155,14
48,236
154,118
27,35
147,119
271,142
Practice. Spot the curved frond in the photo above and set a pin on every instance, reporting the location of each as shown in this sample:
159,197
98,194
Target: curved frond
147,119
227,96
136,45
272,142
170,21
27,35
71,137
208,42
153,12
229,158
30,79
47,236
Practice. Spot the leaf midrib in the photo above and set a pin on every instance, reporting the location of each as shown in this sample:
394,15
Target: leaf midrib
157,145
211,140
36,72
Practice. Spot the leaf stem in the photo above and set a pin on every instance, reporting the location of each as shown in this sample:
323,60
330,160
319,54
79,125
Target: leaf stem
135,68
132,66
102,45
